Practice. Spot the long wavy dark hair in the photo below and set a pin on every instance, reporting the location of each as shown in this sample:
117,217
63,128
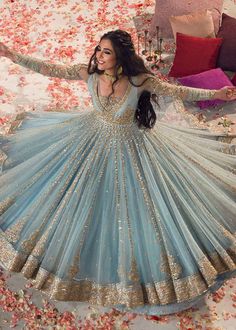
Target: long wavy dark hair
132,65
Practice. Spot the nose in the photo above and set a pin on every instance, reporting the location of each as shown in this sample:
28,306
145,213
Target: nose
100,56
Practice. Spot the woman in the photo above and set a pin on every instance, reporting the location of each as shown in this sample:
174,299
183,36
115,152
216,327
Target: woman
97,206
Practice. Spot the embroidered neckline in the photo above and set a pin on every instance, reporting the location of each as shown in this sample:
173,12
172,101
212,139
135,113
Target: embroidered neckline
115,105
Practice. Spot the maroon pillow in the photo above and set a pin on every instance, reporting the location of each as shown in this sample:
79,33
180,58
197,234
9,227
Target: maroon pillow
234,80
227,55
194,55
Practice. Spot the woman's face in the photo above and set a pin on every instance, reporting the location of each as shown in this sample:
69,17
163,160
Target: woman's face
106,57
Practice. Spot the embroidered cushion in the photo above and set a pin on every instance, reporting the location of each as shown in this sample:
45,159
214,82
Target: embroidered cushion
227,54
165,8
211,79
198,24
194,55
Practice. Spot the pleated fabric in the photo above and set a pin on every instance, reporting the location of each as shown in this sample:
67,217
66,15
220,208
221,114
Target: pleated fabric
95,209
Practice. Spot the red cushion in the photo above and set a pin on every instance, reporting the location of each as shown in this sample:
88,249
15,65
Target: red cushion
234,80
194,55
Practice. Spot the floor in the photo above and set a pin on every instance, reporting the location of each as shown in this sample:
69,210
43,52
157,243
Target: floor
65,31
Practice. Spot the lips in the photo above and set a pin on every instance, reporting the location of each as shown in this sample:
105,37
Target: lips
100,62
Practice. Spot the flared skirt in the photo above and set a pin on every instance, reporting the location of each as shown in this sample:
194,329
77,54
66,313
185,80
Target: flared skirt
115,215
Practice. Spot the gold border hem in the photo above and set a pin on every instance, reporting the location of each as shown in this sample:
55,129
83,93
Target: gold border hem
131,295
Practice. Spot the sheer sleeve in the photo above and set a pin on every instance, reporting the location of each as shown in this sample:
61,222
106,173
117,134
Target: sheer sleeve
73,72
159,87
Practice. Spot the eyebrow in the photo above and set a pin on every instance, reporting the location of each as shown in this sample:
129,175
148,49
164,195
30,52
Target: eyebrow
106,49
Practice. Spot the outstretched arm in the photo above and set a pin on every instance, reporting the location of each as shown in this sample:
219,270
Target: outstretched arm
159,87
73,72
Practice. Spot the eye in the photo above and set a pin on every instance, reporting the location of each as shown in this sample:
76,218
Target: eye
98,49
107,52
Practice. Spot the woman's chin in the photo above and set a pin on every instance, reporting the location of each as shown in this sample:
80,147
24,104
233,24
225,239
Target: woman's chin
100,67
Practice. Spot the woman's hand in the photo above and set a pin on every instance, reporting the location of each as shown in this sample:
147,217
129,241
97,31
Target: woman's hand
226,93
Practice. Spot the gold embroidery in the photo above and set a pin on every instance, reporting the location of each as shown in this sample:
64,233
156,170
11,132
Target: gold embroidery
133,274
157,86
48,69
232,251
153,216
3,158
28,244
5,204
217,262
151,296
41,279
207,270
13,232
175,268
124,224
163,292
189,287
29,267
74,268
126,118
40,246
170,266
108,108
164,265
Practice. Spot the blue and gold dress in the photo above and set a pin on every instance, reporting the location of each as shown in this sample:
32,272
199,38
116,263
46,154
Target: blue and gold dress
92,208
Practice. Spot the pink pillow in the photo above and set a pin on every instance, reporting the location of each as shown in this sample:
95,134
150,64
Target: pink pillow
194,55
165,8
197,24
211,79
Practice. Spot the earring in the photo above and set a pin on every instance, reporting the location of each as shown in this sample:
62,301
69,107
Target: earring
120,70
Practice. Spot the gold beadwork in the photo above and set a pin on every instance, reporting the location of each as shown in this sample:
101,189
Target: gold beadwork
109,107
48,69
163,292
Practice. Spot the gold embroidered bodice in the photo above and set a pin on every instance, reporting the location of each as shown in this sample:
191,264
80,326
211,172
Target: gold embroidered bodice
116,110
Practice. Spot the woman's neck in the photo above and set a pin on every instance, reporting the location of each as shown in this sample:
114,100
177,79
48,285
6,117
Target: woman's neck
110,76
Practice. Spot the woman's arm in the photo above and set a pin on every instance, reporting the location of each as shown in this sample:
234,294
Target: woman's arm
73,72
159,87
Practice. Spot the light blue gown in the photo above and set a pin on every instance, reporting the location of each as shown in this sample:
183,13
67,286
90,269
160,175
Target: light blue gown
95,209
